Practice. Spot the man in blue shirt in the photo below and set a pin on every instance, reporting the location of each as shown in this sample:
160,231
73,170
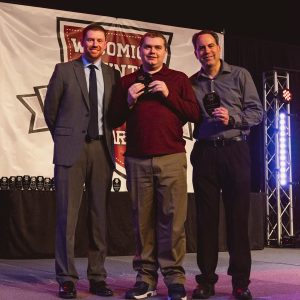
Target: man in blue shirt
230,106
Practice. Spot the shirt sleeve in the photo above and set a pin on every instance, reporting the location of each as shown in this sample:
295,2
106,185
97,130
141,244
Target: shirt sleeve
252,110
53,98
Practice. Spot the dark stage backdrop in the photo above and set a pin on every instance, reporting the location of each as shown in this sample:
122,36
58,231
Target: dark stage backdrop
259,56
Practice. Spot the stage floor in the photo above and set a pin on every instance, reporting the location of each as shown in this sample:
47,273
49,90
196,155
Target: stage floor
275,275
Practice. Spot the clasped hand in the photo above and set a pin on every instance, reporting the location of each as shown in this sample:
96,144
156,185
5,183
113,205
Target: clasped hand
137,89
221,114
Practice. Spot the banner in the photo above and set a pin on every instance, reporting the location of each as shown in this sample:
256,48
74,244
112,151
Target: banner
33,41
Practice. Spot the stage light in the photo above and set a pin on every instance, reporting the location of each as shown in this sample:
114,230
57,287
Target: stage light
284,96
282,149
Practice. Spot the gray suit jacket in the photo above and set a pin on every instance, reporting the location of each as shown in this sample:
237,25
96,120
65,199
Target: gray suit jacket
66,110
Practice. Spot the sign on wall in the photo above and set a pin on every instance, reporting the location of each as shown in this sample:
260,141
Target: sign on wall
34,40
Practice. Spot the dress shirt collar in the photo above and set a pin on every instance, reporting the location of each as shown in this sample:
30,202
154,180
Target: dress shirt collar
86,63
163,71
225,68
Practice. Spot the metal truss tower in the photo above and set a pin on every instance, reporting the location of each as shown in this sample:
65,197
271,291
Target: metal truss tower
279,196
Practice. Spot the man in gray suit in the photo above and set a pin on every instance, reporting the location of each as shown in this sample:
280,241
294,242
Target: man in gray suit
83,154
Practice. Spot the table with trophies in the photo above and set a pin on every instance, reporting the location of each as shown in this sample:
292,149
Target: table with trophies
27,220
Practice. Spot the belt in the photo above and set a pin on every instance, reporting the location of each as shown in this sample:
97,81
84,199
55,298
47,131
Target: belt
97,138
221,142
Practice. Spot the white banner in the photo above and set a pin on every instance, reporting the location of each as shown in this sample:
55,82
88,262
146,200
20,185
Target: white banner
33,40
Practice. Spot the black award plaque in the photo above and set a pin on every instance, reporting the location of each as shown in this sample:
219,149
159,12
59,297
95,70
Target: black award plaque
40,183
211,101
33,183
4,183
19,183
12,183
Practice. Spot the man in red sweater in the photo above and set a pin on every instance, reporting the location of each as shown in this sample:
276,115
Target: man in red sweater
155,102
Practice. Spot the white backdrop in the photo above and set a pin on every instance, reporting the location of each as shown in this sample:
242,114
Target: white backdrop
33,40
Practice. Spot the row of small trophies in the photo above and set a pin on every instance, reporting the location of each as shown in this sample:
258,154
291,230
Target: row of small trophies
26,182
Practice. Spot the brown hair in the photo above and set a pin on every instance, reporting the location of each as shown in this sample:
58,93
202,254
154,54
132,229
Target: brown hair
206,31
93,26
153,34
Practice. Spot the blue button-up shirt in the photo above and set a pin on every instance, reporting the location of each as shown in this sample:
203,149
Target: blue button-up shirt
237,93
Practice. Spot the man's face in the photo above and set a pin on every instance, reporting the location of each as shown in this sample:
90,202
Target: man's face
94,44
153,53
207,51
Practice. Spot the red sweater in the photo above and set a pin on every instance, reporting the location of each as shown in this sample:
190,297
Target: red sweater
154,124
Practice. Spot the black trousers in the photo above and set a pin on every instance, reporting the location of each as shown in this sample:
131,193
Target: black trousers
222,169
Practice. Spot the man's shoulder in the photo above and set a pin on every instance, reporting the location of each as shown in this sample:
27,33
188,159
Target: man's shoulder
110,69
131,76
234,68
168,70
68,64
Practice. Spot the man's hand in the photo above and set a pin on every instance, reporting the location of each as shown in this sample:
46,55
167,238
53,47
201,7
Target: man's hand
159,86
136,90
221,114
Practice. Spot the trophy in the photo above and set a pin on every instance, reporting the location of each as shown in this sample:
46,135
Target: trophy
40,183
145,79
12,183
33,183
47,184
211,101
26,182
52,184
4,183
116,184
19,183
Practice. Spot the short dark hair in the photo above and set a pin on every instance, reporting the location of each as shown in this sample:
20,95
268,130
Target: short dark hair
205,31
153,34
93,26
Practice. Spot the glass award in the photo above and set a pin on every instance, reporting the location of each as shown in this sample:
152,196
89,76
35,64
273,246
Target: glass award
26,182
4,183
40,183
12,183
33,183
211,101
19,183
47,184
52,184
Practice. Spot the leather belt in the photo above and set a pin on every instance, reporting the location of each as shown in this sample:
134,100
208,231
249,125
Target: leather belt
221,142
97,138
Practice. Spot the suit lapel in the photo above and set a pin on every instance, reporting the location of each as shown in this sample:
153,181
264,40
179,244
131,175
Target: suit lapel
80,75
